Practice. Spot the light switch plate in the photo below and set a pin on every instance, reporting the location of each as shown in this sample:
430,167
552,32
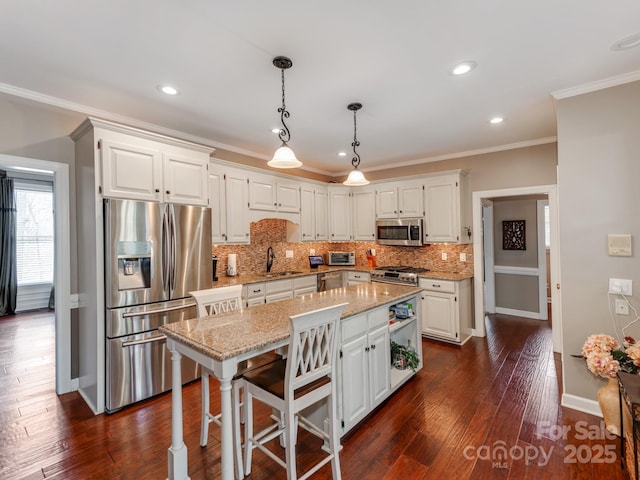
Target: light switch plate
463,257
289,253
444,255
621,286
619,245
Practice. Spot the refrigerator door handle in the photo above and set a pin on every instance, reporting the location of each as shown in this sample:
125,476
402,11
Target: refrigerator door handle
165,250
173,249
142,342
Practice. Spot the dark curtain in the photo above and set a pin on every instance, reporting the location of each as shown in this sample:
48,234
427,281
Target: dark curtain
8,269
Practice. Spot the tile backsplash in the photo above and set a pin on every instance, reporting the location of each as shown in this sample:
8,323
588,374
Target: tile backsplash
252,258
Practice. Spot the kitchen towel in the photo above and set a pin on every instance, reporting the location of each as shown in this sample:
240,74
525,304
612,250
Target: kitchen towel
231,265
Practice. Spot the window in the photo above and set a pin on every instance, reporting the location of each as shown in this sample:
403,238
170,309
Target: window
34,232
547,227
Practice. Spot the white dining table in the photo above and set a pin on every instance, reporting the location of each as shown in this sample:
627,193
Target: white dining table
220,342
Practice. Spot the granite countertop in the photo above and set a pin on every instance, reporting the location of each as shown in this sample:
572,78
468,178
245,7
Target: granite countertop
227,335
223,280
454,276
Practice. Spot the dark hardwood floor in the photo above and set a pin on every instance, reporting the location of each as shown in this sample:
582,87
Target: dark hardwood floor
487,410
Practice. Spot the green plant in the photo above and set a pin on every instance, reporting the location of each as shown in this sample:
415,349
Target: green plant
411,359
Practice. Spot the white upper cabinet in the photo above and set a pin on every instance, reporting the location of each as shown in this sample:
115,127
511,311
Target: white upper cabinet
447,206
229,191
321,209
387,200
400,200
364,217
339,214
140,169
307,213
313,213
271,194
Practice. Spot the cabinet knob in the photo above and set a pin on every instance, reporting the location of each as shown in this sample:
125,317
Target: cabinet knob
157,190
168,192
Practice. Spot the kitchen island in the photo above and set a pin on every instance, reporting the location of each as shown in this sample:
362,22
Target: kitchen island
220,342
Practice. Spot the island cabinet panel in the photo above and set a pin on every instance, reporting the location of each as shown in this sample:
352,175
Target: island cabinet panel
365,363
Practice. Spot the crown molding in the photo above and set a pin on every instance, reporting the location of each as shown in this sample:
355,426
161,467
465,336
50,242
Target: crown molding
597,85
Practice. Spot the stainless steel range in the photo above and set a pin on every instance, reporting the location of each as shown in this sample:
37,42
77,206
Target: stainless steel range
397,274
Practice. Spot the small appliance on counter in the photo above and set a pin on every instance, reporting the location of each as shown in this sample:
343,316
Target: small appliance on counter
341,258
315,260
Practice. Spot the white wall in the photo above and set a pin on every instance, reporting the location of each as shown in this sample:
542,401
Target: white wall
599,171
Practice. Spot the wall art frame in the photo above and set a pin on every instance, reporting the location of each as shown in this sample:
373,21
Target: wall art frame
514,235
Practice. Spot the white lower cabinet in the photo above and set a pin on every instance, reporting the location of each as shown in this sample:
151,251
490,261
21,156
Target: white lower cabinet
277,290
304,285
354,278
446,309
253,294
365,365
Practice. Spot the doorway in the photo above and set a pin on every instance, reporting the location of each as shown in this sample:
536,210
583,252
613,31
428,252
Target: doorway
481,204
62,268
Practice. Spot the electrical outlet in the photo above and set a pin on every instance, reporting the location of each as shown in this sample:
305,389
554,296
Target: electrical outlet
312,251
444,255
622,307
463,257
288,254
621,286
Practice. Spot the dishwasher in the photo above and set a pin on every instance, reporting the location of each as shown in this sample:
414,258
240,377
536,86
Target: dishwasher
329,281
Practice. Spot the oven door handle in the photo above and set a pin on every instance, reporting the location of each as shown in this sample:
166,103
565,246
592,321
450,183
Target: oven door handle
153,312
142,342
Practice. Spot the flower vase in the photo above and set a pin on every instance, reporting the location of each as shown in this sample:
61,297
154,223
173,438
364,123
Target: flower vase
609,400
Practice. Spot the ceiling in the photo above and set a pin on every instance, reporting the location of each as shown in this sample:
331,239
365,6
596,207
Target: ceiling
107,57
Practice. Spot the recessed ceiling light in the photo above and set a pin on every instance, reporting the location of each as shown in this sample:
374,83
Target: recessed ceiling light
463,67
168,89
627,43
342,154
496,120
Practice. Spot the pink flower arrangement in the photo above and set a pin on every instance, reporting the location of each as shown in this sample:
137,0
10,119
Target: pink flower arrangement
605,356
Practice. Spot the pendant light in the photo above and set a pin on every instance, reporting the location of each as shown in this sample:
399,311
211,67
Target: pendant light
284,156
356,177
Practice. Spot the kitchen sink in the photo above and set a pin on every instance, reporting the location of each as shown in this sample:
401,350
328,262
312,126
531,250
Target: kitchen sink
279,274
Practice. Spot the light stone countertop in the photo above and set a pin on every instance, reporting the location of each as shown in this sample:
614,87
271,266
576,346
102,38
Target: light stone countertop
224,281
231,334
454,276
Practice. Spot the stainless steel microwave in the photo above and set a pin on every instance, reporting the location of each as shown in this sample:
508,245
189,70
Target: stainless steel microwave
400,231
342,258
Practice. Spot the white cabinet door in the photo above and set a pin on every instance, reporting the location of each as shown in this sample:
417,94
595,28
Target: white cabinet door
387,201
131,171
185,179
355,381
288,197
364,218
218,207
442,210
354,278
307,214
440,315
236,200
262,193
339,214
411,201
379,359
321,208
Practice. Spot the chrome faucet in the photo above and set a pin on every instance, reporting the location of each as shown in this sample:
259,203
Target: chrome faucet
270,257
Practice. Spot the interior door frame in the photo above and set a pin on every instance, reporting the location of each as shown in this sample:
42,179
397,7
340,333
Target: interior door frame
61,266
478,253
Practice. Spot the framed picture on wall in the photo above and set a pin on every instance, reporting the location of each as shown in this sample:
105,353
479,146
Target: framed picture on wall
513,235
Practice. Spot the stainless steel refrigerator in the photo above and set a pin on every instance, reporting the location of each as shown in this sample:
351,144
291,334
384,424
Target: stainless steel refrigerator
155,254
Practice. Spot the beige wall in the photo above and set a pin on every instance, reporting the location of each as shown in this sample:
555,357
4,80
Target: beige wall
521,167
516,209
599,168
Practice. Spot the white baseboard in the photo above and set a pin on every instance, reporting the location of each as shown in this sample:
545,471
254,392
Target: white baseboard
581,404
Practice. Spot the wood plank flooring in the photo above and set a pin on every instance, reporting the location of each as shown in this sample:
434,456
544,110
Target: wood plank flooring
487,410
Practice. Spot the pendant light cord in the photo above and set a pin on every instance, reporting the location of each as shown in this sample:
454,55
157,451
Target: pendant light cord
355,161
284,133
